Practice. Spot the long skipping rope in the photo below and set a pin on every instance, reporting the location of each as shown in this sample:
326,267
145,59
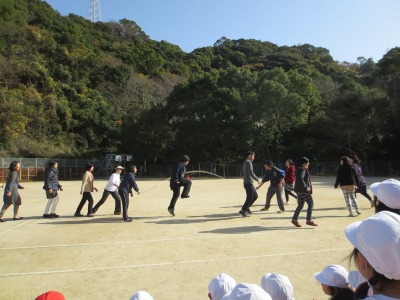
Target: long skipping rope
188,172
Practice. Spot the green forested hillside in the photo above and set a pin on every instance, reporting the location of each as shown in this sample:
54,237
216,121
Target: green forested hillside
70,87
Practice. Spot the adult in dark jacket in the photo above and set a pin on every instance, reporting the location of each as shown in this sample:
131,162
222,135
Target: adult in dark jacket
275,177
347,179
125,189
51,186
11,195
177,180
362,184
303,189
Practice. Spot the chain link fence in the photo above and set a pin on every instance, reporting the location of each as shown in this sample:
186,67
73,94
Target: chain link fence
72,169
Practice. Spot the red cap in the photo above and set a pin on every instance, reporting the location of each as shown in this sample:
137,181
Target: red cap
51,295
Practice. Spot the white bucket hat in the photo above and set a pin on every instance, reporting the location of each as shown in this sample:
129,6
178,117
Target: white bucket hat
119,167
378,240
220,286
333,275
141,295
388,192
277,286
247,291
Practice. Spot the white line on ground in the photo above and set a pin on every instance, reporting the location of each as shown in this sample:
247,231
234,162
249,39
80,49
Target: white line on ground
14,227
150,241
168,263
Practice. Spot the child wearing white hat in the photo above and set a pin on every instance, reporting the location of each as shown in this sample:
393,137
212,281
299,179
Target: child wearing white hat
376,254
220,286
333,279
277,286
141,295
387,195
247,291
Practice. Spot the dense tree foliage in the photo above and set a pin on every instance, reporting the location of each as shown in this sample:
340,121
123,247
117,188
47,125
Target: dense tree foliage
71,87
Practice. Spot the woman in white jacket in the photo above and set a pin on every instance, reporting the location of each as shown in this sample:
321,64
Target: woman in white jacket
111,189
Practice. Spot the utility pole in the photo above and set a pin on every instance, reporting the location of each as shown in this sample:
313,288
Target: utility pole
94,11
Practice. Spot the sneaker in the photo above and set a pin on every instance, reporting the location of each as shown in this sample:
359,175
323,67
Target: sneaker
311,223
287,202
358,212
18,218
1,220
94,210
249,211
296,223
46,216
264,209
185,196
280,211
351,215
78,215
54,215
127,220
171,211
243,213
117,213
90,215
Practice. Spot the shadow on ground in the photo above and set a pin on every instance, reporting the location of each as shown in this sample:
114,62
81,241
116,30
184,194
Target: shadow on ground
251,229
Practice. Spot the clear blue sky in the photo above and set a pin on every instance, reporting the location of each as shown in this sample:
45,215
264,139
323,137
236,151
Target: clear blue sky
347,28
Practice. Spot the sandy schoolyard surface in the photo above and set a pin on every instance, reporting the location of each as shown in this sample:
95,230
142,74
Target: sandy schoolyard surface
169,257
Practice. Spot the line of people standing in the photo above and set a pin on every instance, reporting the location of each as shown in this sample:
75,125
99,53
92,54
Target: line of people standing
119,190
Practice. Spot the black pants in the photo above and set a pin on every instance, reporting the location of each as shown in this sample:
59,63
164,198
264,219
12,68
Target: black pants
363,191
103,199
251,196
87,196
124,195
187,184
289,191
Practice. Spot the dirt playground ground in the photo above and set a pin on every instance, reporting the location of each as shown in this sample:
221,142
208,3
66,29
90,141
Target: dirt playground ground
169,257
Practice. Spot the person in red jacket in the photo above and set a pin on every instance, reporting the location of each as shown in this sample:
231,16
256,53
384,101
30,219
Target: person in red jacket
289,180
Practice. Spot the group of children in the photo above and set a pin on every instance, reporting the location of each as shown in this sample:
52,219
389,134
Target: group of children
376,255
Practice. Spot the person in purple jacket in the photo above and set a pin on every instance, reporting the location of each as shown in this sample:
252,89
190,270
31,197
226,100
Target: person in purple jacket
362,188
